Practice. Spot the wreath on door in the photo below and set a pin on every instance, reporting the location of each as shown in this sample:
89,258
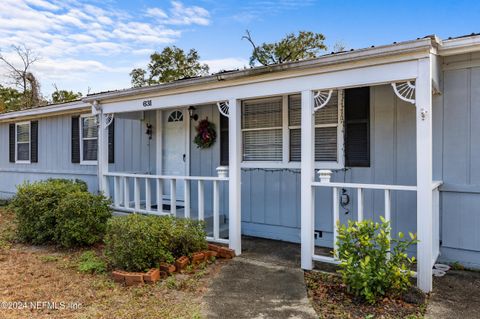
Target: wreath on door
206,134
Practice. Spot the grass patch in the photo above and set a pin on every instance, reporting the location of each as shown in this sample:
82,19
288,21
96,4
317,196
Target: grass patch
330,299
47,273
49,258
90,263
7,228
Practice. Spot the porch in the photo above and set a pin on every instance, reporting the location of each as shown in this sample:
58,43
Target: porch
410,80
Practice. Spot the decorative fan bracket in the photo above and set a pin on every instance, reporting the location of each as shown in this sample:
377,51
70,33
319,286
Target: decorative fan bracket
224,108
108,118
321,99
405,91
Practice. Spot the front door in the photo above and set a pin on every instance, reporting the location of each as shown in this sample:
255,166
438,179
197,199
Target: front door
174,148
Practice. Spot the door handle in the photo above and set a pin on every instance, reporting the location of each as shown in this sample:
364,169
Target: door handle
184,157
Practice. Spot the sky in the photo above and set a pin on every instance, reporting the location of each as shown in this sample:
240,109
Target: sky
91,46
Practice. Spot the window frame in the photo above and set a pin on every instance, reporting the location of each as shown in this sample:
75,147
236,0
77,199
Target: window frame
29,161
82,161
285,162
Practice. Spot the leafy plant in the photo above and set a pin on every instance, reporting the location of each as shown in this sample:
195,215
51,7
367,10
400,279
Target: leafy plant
137,242
59,211
373,265
90,263
81,219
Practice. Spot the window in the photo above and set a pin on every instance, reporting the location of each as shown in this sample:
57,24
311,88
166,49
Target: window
22,142
262,129
272,135
357,127
175,116
88,139
326,129
224,149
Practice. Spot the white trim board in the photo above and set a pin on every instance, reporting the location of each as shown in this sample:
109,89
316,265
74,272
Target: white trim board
373,75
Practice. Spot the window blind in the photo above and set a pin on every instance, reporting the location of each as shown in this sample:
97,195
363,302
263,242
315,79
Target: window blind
325,144
262,129
23,142
326,126
89,138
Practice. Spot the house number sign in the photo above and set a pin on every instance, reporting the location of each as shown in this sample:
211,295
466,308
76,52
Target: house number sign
147,103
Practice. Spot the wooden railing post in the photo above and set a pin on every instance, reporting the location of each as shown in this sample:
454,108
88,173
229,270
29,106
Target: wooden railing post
159,195
201,200
173,197
126,192
117,188
136,192
148,194
186,198
336,219
216,210
360,204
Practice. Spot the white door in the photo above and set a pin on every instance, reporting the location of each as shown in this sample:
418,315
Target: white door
174,148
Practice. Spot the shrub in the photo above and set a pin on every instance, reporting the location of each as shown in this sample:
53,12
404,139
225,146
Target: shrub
81,219
137,242
47,212
369,267
90,263
184,236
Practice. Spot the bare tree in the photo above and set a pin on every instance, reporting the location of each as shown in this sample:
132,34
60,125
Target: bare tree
22,77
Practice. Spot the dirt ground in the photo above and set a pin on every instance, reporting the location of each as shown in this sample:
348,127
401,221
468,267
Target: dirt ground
46,278
331,300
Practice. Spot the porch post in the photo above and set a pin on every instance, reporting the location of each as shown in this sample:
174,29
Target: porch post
102,154
307,176
423,104
234,181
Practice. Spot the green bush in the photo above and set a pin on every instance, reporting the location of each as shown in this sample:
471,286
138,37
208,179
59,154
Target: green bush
137,243
81,219
369,267
90,263
47,213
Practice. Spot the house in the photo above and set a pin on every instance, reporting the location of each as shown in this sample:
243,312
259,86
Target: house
382,131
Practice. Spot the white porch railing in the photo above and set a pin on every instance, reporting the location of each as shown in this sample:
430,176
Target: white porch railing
387,189
152,200
336,187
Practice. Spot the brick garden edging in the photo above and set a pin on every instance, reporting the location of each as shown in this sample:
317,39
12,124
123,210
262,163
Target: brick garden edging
165,269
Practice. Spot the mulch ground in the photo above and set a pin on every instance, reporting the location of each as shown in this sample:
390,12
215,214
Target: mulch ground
47,274
331,300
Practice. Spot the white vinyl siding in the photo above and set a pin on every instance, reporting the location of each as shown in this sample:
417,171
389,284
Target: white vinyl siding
22,142
88,139
262,129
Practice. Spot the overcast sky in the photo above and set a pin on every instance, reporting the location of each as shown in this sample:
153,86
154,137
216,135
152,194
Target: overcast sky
95,44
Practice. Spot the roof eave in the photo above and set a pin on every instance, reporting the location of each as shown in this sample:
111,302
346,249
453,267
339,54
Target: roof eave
459,45
424,44
50,110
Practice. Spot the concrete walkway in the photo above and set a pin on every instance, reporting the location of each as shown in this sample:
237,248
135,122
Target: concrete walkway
264,282
456,295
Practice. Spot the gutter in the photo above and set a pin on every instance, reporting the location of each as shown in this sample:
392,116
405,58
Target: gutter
55,109
423,44
460,45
